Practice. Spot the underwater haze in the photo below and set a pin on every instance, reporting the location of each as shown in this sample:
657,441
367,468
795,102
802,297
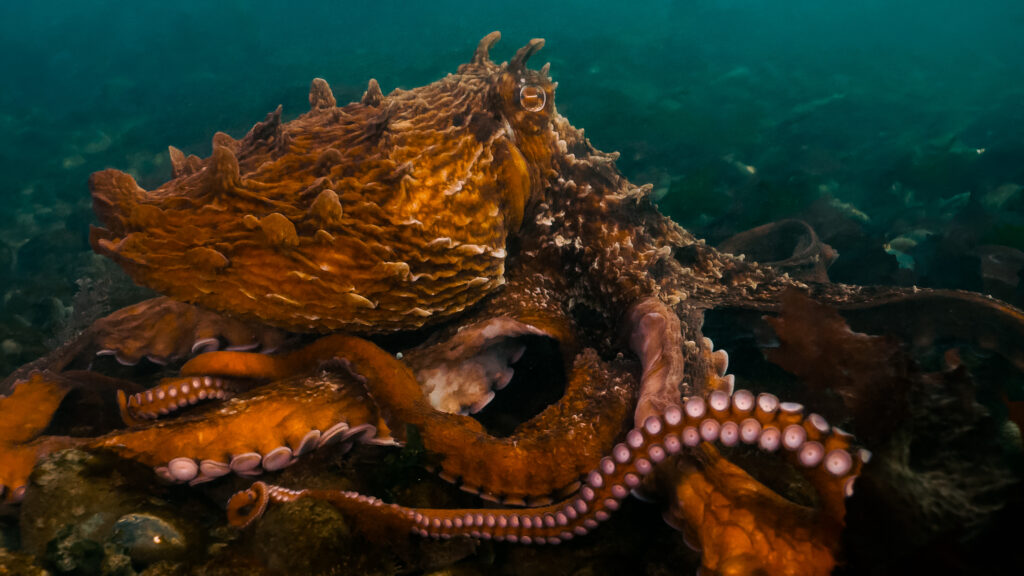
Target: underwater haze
902,113
894,128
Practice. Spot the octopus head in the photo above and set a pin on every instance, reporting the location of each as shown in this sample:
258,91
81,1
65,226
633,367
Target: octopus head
521,109
386,214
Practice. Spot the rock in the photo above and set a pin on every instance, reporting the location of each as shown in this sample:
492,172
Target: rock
65,491
19,564
96,514
147,538
74,549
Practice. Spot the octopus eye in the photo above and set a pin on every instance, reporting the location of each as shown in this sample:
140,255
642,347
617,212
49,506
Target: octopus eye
532,98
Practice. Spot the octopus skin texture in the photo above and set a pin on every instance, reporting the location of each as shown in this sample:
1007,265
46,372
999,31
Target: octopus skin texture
471,218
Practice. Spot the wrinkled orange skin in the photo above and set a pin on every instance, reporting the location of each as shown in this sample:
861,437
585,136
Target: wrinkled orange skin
743,528
382,215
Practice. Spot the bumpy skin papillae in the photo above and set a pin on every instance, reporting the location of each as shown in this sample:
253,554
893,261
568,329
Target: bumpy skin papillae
382,215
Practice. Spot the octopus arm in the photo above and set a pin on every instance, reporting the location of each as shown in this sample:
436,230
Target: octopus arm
743,519
264,429
24,416
742,527
927,314
529,466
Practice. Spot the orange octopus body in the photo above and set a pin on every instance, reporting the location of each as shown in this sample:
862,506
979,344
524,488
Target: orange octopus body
382,215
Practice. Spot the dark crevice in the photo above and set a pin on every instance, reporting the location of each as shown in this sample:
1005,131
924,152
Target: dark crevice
538,382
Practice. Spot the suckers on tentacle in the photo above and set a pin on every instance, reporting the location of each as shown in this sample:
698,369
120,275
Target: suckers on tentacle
264,429
173,394
820,452
593,411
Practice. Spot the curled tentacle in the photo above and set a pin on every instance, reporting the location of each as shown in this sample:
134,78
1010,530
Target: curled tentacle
247,506
820,452
530,465
261,430
173,394
789,245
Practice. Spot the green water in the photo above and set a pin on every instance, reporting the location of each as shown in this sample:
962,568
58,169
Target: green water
906,115
895,128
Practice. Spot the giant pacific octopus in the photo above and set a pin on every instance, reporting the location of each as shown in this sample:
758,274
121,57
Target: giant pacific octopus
469,216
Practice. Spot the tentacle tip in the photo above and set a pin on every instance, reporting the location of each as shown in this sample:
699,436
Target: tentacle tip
247,506
127,417
12,494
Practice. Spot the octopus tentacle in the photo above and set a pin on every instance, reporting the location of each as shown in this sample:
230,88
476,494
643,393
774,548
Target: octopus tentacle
160,329
163,330
655,337
741,527
789,246
595,408
26,413
912,312
822,453
52,363
924,314
264,429
173,394
530,465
